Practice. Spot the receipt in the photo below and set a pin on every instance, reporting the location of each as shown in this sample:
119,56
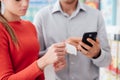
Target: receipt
71,49
49,72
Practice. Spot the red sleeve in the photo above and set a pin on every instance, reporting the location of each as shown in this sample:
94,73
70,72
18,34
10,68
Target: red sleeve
6,68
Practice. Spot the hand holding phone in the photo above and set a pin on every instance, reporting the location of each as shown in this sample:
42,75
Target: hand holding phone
91,35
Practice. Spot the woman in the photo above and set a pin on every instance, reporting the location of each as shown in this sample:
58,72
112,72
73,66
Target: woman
19,46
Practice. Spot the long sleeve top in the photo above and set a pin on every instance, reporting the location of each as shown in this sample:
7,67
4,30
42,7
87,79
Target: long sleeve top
19,63
53,25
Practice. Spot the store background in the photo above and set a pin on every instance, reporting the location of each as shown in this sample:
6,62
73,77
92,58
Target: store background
111,13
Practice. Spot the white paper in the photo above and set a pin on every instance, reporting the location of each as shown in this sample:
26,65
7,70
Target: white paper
71,49
49,73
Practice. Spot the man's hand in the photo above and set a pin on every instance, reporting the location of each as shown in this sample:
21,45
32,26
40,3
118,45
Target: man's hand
74,41
91,52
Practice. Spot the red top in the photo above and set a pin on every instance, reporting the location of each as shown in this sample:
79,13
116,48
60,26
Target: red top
19,64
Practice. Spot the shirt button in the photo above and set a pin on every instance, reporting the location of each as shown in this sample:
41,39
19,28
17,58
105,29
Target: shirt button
72,78
72,62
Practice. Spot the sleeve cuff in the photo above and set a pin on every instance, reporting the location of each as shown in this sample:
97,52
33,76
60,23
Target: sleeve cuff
100,58
37,68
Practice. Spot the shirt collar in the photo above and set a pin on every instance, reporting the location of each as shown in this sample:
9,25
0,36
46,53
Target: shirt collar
57,7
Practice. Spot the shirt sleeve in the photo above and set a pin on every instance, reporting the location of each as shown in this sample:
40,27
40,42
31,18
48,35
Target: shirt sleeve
38,25
105,58
6,67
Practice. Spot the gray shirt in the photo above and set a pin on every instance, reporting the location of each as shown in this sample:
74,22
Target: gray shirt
53,25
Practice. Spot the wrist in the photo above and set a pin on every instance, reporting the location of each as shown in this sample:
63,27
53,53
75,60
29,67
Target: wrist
41,63
95,57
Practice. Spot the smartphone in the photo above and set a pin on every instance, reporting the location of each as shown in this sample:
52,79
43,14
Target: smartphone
91,35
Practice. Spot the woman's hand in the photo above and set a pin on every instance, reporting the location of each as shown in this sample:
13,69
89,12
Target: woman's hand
60,64
55,53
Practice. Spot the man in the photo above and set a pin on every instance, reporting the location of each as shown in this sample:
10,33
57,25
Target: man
69,20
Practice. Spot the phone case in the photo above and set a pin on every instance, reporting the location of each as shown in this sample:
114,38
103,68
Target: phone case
91,35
